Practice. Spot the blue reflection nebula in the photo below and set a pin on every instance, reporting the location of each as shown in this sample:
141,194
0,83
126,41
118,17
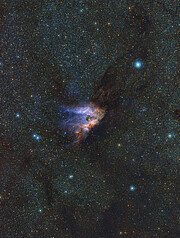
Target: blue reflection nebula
79,120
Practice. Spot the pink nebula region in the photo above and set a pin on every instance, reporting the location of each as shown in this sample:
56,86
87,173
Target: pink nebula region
80,120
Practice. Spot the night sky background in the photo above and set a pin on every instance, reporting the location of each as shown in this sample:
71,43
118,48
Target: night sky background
122,179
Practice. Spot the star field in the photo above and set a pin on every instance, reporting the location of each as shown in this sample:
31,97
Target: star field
121,180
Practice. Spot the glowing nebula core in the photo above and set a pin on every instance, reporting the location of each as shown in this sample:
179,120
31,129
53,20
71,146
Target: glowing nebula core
81,119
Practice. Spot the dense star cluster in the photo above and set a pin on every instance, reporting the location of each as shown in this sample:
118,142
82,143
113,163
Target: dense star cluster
106,71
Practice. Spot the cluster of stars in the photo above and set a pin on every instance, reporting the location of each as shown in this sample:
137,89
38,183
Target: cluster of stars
87,33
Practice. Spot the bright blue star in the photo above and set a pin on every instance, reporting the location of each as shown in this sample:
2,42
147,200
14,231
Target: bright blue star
132,188
17,115
169,135
40,210
70,176
138,64
37,137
